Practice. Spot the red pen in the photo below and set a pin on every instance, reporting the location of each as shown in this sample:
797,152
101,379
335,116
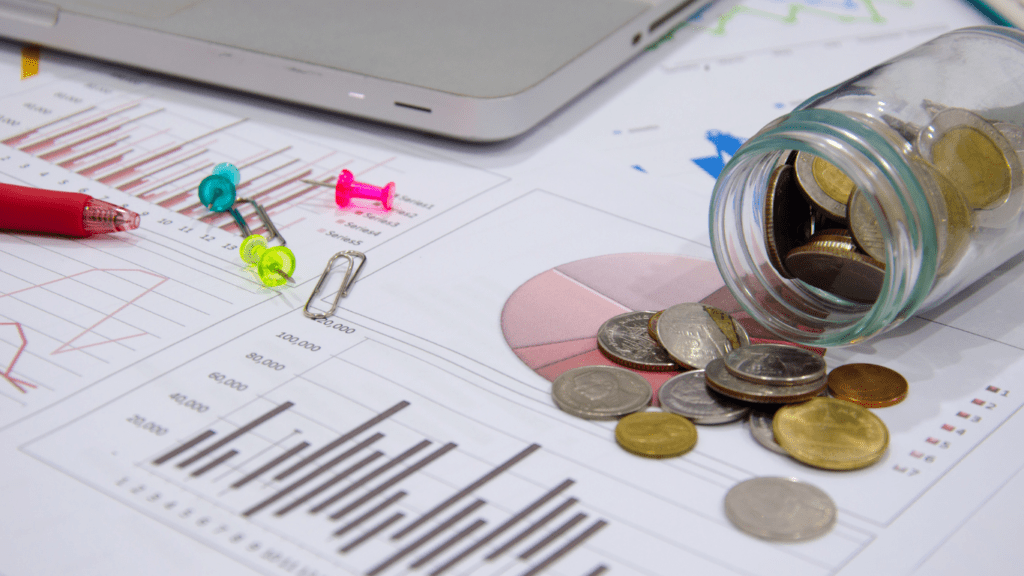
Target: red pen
68,213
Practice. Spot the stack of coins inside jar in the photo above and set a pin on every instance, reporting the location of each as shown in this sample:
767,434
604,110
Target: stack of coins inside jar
821,229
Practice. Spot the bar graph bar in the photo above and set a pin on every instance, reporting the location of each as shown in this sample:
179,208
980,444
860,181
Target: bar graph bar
214,463
444,546
202,453
328,484
372,532
565,549
552,536
342,439
387,484
370,513
529,530
504,527
312,475
466,491
373,474
270,465
422,540
183,448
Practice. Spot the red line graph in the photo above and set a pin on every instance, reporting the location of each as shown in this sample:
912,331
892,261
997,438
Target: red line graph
17,383
69,345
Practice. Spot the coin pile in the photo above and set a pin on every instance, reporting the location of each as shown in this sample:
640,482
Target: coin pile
683,337
779,388
821,229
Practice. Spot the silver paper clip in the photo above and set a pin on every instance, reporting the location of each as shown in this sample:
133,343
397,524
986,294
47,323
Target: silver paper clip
264,219
350,277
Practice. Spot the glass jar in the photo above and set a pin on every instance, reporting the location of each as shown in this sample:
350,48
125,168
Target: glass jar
879,197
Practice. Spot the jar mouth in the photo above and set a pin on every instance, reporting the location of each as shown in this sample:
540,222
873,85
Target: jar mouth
877,163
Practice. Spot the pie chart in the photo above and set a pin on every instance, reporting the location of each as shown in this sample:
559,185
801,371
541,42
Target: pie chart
551,321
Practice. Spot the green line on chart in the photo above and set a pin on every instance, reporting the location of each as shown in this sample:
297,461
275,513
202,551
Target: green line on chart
791,17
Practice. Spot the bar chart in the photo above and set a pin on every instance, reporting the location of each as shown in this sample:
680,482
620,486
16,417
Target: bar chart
354,488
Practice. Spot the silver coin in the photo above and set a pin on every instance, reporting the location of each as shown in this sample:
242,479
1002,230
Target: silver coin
624,339
600,392
689,396
780,509
825,186
721,380
695,334
778,364
760,422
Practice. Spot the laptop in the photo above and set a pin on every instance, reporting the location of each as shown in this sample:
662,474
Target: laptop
475,70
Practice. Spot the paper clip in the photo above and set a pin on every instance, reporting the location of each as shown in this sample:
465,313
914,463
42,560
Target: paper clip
350,277
264,219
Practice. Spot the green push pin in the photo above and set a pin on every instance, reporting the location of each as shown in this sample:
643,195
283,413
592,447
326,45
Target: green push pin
273,265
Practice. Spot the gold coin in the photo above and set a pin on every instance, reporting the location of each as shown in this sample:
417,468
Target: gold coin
656,434
975,164
954,219
831,434
869,385
652,325
832,180
974,155
865,227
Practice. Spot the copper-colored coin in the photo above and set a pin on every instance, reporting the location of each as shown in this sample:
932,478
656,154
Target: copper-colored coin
833,264
656,434
869,385
830,433
787,217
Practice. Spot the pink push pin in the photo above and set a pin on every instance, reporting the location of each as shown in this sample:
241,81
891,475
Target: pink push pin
347,188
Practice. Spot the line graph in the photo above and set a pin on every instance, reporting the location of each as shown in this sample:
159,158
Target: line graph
845,11
133,281
8,361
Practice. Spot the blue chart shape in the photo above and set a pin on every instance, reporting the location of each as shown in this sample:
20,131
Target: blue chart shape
724,143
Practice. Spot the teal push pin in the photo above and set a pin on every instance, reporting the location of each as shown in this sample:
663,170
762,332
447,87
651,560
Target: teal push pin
274,266
217,191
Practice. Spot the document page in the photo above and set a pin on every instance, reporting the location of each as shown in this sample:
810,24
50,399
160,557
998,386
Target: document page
164,412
